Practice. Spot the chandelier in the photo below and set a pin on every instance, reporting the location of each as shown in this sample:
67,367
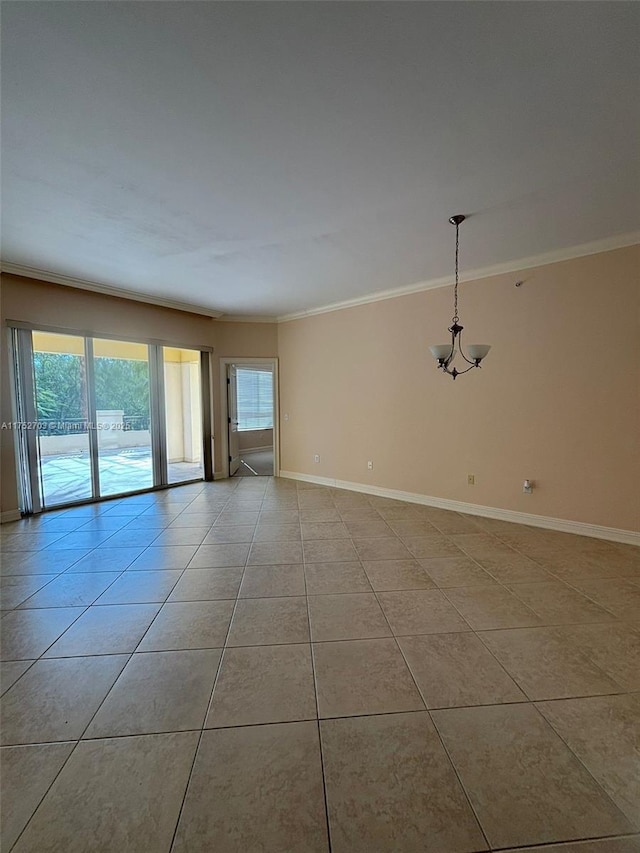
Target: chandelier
446,353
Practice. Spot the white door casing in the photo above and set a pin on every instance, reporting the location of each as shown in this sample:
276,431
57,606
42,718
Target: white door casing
244,361
232,419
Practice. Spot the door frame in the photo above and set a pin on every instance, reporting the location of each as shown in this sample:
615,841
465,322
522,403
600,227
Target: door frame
224,411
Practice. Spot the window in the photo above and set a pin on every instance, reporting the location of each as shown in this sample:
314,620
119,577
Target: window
255,398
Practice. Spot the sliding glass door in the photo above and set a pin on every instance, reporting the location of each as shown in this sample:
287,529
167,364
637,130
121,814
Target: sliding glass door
183,414
123,416
111,417
62,416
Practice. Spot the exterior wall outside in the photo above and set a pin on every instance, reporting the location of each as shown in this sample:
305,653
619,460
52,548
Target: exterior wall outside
183,411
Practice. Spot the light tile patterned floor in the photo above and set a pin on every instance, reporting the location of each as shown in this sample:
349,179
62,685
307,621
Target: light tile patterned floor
260,665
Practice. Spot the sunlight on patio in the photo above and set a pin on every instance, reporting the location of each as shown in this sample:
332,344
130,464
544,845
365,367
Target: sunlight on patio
68,478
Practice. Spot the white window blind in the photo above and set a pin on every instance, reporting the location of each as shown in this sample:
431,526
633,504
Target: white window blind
255,398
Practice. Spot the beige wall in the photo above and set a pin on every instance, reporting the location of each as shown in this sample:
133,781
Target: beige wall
39,302
256,438
51,305
556,401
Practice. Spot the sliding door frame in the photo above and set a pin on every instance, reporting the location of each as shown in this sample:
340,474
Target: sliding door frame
158,417
206,391
24,406
92,417
26,440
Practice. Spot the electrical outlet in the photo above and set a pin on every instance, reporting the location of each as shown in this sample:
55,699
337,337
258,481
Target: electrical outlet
370,465
471,479
527,487
316,458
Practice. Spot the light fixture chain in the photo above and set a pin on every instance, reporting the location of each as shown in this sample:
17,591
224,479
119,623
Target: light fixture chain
455,290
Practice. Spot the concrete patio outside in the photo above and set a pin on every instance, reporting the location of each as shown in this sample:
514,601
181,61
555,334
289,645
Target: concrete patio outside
67,478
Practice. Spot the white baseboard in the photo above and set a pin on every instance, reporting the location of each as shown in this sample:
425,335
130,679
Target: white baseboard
252,449
10,515
580,528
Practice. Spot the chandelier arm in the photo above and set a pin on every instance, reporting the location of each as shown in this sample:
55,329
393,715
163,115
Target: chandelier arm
472,363
447,361
459,372
453,349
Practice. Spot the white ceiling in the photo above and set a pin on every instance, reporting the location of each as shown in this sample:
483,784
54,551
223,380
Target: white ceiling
268,158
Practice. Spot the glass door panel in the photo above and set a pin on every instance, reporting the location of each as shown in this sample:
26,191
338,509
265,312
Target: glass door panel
123,419
112,417
183,414
60,390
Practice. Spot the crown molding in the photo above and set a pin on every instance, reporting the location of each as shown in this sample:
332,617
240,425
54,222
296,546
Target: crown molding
595,247
608,244
247,318
107,289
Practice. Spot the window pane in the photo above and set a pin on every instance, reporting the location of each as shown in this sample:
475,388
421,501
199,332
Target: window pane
255,398
183,413
60,381
123,423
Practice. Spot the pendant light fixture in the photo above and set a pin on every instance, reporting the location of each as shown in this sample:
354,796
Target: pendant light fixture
446,353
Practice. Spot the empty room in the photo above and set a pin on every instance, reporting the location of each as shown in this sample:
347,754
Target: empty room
320,410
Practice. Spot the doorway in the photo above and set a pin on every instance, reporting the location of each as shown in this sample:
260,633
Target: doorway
251,435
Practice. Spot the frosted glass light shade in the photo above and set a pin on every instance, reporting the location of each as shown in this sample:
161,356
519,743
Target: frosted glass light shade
441,351
478,351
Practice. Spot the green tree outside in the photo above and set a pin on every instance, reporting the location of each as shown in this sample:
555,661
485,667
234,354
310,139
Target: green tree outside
60,383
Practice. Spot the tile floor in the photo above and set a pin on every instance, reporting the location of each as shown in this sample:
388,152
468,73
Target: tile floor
255,463
260,665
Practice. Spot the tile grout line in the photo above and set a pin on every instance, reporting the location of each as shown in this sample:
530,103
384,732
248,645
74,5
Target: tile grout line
596,781
318,728
252,725
521,687
446,751
460,782
543,845
208,709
